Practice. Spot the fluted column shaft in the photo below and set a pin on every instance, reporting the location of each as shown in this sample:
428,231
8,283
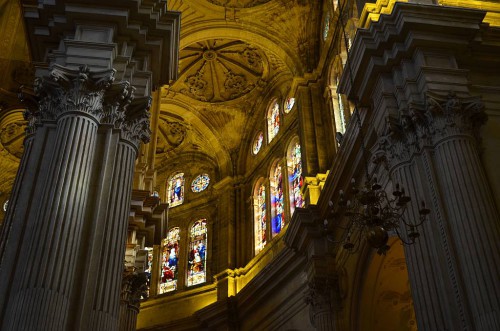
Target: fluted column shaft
63,249
454,267
473,223
111,242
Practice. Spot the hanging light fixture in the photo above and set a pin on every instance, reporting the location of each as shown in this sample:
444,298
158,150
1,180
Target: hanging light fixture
374,215
371,212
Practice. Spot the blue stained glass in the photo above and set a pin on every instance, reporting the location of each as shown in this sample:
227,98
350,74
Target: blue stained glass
295,177
277,201
273,121
260,219
289,104
176,190
200,183
257,144
169,266
197,253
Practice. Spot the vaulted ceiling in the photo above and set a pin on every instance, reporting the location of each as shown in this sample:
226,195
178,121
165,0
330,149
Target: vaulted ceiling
235,55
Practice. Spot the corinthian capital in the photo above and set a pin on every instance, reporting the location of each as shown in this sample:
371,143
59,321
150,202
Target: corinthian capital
427,124
135,125
66,90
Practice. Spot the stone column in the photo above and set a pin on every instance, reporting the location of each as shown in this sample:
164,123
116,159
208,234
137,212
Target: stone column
134,287
319,298
73,193
454,267
306,237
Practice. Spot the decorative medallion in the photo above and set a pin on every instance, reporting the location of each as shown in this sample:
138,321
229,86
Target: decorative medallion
238,3
219,70
200,183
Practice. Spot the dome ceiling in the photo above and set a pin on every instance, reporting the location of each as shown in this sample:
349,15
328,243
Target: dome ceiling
238,3
219,70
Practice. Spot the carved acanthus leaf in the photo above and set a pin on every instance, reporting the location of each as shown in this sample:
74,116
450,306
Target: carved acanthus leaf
422,125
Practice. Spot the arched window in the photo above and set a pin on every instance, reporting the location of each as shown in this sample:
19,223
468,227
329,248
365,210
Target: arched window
148,265
277,201
326,26
257,142
290,102
197,253
273,120
200,183
169,261
340,112
176,189
294,160
260,218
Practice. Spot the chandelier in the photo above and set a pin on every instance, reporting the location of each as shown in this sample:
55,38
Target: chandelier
374,215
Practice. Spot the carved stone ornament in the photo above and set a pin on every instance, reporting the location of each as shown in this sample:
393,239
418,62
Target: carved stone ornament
219,70
67,90
318,295
238,3
425,125
135,127
80,90
134,288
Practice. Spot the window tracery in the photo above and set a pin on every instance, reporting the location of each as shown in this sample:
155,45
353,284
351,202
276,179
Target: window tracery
200,183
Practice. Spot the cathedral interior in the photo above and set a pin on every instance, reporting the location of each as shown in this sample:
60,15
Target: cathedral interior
250,165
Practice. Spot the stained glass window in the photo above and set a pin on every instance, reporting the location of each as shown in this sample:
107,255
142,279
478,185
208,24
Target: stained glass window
340,116
169,262
326,27
176,189
197,253
289,104
148,267
260,218
257,143
295,177
200,183
277,201
273,120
